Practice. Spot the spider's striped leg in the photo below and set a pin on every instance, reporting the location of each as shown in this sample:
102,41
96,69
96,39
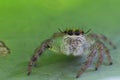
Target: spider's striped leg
102,37
41,49
108,55
38,52
100,55
108,41
88,62
103,50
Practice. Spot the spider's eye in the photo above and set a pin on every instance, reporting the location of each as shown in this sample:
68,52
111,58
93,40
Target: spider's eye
82,32
77,32
70,32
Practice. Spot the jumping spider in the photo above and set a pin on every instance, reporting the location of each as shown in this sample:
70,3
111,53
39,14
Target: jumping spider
76,43
3,49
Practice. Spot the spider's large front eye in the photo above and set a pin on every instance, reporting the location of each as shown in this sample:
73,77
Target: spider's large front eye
70,32
77,32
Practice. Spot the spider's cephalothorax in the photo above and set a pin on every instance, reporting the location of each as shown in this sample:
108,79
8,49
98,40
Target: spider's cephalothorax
75,42
3,49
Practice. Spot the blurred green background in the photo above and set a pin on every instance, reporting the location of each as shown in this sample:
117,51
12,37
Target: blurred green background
24,24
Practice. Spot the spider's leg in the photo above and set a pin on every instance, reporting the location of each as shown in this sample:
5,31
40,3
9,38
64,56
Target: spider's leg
88,62
58,34
100,55
108,55
45,45
37,53
102,37
108,41
103,49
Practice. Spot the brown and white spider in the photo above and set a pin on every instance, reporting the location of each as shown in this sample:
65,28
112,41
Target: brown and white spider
4,50
76,43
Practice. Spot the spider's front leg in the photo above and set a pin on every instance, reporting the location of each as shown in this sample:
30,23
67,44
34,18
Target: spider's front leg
45,45
88,62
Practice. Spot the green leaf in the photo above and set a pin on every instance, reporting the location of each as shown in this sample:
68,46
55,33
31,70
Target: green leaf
24,24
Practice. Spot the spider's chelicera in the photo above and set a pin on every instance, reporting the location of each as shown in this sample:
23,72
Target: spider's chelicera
76,43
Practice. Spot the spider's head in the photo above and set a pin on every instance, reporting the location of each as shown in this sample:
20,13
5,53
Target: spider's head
74,42
74,32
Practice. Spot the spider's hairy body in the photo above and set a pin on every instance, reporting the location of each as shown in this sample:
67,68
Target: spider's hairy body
72,45
76,43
